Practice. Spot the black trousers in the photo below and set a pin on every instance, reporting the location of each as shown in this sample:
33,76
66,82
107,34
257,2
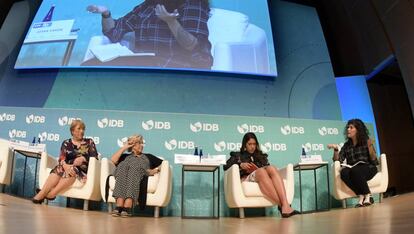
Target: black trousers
356,178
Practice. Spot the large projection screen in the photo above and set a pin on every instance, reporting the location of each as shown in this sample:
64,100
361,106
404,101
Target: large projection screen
232,36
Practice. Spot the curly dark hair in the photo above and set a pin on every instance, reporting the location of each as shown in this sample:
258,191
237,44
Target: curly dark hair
362,133
246,138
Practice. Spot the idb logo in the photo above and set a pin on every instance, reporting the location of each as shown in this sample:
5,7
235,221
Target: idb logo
110,123
328,131
14,133
7,117
64,120
223,146
122,141
205,127
312,147
35,119
244,128
151,124
95,139
287,130
174,144
268,146
45,136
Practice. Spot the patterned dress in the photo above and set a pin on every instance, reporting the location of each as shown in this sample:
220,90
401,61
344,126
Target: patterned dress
69,152
128,174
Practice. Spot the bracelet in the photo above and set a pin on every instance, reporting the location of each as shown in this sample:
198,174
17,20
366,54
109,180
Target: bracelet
336,150
106,14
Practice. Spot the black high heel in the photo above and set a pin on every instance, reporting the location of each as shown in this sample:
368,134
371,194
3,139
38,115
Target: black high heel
35,201
51,199
287,215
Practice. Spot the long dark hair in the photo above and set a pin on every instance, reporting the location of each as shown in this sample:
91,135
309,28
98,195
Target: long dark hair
246,138
362,134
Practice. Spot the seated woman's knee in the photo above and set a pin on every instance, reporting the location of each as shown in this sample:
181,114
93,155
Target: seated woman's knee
271,170
261,174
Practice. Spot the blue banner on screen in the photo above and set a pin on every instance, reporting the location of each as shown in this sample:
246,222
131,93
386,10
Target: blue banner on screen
231,36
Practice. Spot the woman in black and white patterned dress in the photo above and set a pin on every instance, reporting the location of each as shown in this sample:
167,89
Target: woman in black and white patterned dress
131,175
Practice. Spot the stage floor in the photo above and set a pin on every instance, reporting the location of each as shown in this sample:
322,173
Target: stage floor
393,215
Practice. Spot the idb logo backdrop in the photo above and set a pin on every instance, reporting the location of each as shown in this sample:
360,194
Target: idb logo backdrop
166,134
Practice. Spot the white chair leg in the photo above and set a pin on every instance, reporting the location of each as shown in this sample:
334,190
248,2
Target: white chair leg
156,212
85,204
109,207
381,196
241,213
344,203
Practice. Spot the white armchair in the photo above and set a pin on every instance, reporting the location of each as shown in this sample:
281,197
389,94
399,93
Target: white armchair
242,195
158,190
88,191
5,163
237,45
378,184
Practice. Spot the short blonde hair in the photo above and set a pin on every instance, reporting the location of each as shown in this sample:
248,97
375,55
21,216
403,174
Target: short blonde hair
136,138
75,123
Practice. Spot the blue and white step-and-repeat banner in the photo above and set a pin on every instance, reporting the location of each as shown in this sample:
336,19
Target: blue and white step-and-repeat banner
166,134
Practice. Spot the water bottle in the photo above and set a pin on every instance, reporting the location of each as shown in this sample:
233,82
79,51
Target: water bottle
49,14
303,155
201,153
196,151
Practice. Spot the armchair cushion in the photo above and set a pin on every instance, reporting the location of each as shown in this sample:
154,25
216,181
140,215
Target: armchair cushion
251,189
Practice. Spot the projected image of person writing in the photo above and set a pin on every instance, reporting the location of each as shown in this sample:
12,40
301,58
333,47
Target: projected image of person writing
175,31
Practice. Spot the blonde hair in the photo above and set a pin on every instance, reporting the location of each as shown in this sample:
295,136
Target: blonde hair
75,123
136,138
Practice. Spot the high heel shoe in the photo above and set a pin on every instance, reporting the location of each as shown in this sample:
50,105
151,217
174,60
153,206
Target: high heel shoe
35,201
51,199
287,215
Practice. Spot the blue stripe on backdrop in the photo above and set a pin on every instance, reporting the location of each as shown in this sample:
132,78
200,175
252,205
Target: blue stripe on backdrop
34,92
355,100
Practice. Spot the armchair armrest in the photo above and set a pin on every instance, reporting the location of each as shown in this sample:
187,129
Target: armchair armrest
288,179
249,55
47,163
162,195
107,168
384,172
92,184
232,186
5,163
